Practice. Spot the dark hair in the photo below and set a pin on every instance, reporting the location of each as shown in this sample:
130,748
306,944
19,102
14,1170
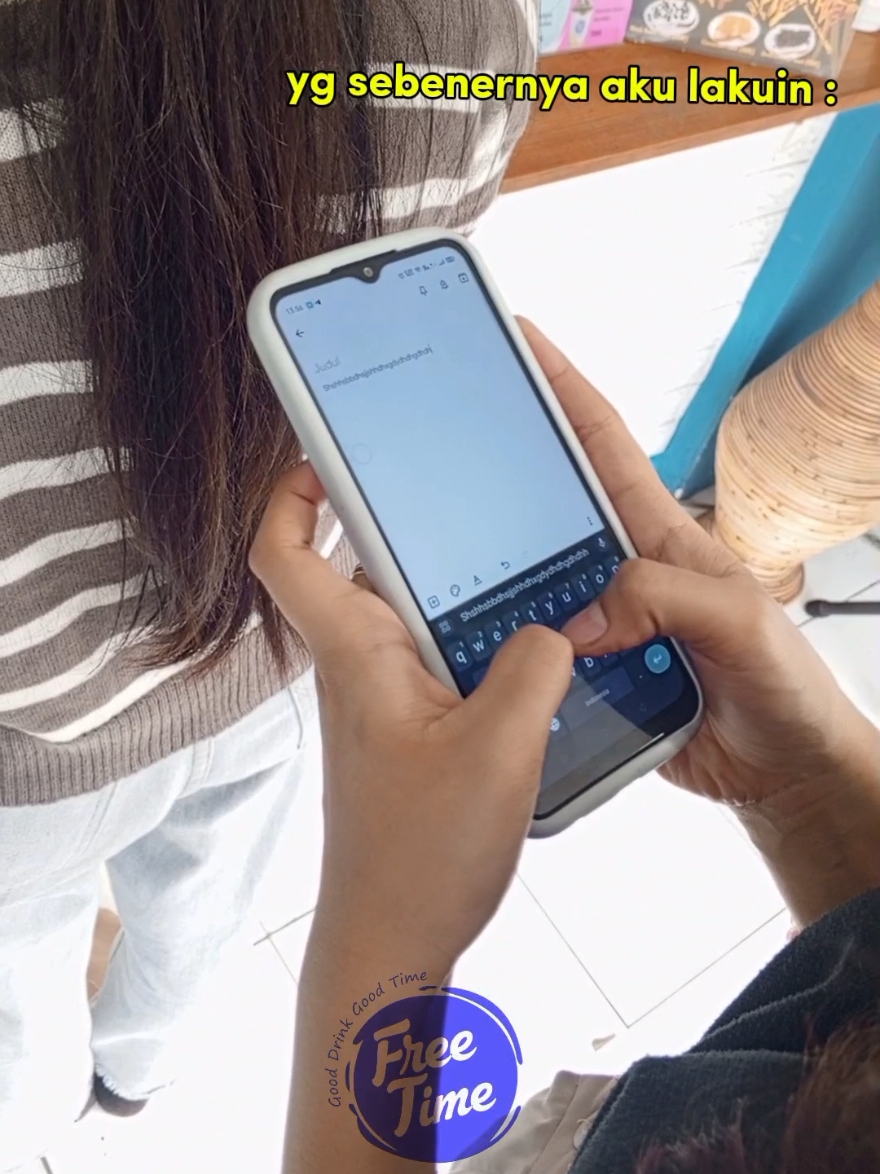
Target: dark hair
832,1123
185,177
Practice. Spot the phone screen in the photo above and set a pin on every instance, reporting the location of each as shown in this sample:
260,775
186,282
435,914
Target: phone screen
487,515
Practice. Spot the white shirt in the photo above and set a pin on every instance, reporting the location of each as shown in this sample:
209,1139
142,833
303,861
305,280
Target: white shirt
549,1131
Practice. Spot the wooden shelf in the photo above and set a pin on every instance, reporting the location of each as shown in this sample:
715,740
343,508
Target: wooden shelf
573,138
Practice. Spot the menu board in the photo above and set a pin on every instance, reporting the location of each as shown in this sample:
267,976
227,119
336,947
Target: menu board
810,36
582,24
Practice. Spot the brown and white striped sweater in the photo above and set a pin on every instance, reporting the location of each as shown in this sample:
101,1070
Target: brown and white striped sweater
77,710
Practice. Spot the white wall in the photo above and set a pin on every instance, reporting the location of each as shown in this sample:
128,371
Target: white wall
639,272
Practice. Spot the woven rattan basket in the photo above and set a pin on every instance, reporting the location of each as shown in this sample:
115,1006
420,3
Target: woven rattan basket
797,467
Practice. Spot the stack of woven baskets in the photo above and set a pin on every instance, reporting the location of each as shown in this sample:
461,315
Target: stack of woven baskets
797,467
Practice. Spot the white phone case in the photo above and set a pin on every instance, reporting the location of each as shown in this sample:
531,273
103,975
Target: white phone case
357,521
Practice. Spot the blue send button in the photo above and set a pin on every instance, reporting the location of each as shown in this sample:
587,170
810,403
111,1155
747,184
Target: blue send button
657,658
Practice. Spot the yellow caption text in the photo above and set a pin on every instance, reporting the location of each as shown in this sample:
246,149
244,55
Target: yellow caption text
321,87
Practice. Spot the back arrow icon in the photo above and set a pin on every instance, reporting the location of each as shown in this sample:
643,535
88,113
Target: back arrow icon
300,333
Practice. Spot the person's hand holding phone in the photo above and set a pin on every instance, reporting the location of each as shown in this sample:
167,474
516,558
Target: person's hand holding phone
427,797
402,752
779,740
775,717
427,801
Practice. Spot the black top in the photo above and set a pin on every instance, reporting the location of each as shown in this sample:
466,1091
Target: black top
752,1057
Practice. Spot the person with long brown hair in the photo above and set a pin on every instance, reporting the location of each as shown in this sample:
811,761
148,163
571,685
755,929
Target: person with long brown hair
428,798
153,704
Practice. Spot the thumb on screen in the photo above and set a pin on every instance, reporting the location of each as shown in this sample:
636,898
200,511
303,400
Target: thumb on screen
647,599
523,689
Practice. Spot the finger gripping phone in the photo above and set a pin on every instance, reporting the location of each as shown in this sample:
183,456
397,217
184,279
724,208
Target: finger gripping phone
464,491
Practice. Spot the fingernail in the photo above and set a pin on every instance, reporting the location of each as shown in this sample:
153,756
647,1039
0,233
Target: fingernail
588,626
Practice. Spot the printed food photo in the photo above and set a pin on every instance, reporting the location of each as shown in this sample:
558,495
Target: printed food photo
814,33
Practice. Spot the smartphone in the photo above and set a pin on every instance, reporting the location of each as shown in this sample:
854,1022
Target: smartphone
464,491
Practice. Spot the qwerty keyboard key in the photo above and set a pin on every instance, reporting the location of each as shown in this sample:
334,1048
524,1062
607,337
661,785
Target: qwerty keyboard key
479,645
598,577
580,707
512,621
588,667
495,634
567,598
459,655
532,612
550,609
584,588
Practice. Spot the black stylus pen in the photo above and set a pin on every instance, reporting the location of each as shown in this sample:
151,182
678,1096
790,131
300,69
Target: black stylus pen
824,607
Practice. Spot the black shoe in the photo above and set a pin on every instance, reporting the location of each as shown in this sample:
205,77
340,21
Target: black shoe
111,1103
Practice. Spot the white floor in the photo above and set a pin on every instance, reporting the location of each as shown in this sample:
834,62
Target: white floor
626,935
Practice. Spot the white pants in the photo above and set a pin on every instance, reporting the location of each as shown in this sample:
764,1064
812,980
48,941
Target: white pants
185,842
